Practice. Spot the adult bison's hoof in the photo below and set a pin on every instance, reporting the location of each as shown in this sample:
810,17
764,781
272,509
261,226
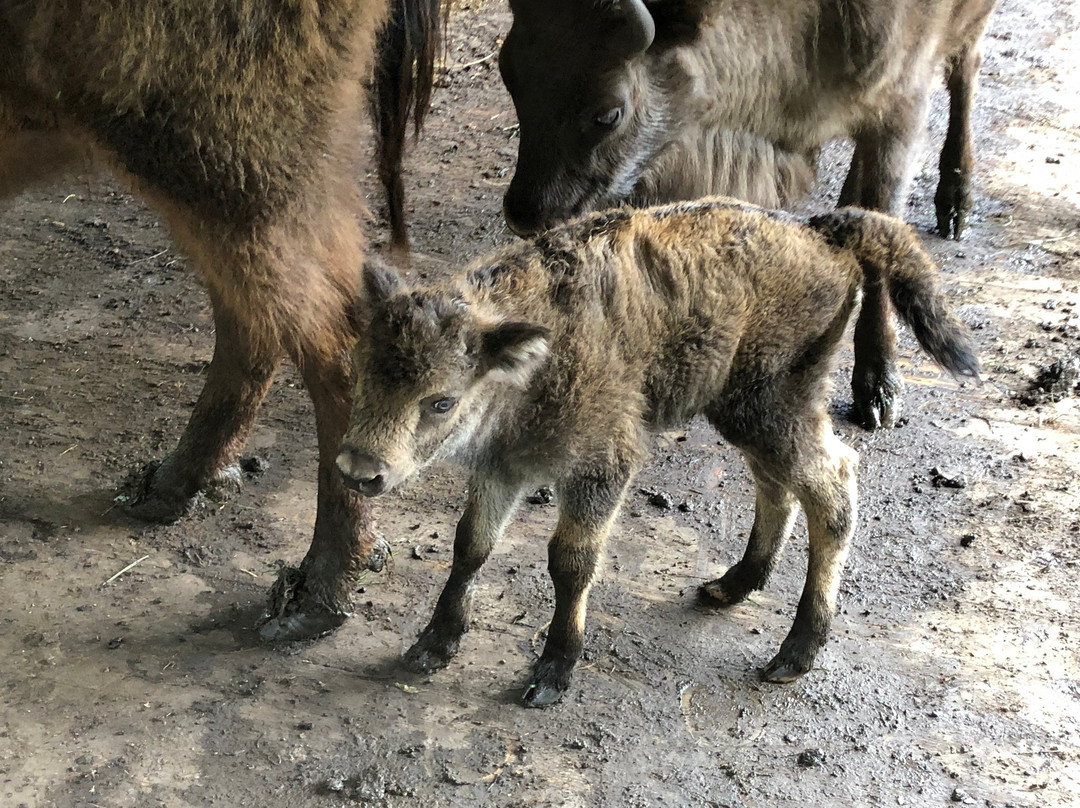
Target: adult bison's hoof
952,203
430,653
877,398
550,680
158,492
291,614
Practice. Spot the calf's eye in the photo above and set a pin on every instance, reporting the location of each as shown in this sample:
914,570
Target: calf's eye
443,405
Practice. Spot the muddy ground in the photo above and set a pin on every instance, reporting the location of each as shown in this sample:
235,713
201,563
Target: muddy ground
953,674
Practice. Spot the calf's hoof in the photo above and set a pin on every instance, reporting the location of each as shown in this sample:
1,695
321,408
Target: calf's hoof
732,587
292,614
158,492
550,679
796,657
430,653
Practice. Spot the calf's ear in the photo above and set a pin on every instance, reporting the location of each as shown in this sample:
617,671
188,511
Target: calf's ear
514,350
381,281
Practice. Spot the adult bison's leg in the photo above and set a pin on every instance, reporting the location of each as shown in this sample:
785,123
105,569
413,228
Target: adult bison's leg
204,462
317,597
953,198
883,163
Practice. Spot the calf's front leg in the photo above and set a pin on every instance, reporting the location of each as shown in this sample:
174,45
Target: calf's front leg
587,509
492,502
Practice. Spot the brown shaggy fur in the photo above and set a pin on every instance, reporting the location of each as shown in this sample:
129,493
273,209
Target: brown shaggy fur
650,101
237,120
550,361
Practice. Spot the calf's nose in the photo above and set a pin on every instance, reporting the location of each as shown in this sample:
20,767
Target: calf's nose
361,472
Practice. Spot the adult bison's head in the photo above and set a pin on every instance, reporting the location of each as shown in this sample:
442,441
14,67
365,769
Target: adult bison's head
578,74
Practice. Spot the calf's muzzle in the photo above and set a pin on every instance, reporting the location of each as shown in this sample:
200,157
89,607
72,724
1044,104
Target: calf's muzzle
361,472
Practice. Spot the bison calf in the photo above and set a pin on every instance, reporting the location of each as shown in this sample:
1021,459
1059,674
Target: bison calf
550,361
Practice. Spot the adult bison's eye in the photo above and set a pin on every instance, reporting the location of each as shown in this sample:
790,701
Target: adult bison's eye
441,406
609,119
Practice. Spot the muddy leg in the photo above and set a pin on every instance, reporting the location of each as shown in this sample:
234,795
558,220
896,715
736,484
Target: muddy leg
317,598
953,198
204,461
586,512
824,482
492,501
774,514
883,156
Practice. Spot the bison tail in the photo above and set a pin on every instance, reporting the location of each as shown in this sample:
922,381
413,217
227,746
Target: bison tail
401,91
889,252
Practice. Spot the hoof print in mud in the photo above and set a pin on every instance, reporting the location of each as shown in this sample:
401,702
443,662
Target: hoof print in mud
291,616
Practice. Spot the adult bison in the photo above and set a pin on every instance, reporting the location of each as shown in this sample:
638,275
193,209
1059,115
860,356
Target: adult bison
632,101
238,121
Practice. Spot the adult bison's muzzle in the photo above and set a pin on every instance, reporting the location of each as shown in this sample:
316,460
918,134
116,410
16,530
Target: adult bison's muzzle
363,473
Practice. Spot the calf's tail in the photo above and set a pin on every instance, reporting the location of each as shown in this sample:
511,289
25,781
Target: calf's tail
889,252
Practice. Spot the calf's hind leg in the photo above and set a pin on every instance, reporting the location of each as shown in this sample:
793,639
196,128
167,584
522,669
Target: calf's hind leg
774,514
823,479
492,501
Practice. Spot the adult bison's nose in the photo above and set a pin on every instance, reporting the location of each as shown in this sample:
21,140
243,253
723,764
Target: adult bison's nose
523,216
361,472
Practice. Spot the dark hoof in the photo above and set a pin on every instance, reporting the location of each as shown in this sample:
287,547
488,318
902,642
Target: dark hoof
290,615
429,654
157,494
732,587
953,204
550,680
877,404
783,670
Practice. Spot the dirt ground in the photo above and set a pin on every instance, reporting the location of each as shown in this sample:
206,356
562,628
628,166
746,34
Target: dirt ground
130,674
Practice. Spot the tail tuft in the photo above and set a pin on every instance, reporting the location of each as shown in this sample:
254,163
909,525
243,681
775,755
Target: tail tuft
889,252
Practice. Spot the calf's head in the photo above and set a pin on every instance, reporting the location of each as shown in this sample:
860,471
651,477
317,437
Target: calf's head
588,115
432,376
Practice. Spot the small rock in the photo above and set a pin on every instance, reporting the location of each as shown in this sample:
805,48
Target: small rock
686,506
961,796
943,478
809,758
967,540
416,552
662,500
305,726
542,496
254,466
114,643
